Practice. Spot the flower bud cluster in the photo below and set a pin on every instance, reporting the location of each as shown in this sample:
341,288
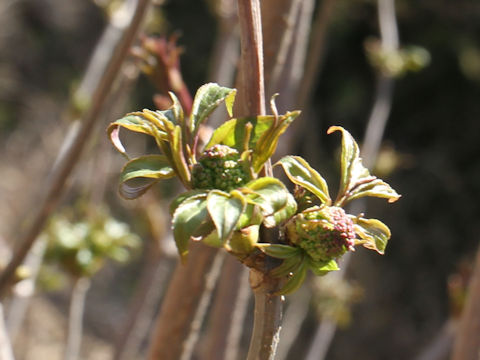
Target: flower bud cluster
325,232
219,167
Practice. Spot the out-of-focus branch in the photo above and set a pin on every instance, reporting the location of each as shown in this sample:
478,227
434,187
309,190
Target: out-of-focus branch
467,340
181,302
315,53
278,23
6,352
75,318
129,22
219,345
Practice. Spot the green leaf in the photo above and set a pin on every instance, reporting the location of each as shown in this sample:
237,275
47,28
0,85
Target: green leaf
267,144
187,218
374,187
184,196
295,281
207,99
301,173
355,179
268,193
150,167
233,132
374,232
251,216
283,214
225,210
134,122
322,268
279,251
286,267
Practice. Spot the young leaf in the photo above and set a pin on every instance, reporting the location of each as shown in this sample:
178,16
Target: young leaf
133,122
233,132
294,282
374,232
225,210
374,187
286,267
268,193
301,173
283,214
267,143
150,167
322,268
197,193
207,99
188,216
355,179
279,251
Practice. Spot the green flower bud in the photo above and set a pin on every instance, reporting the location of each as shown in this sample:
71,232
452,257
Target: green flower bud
325,232
219,167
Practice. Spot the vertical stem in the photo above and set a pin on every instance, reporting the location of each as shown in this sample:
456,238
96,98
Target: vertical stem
75,318
252,88
268,308
267,317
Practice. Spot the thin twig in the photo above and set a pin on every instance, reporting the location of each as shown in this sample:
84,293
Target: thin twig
75,318
65,167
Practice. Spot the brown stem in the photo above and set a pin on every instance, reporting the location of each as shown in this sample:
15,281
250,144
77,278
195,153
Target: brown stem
268,308
467,341
72,154
267,317
216,345
181,302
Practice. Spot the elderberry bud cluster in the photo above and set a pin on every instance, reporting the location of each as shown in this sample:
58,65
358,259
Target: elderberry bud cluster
219,167
325,232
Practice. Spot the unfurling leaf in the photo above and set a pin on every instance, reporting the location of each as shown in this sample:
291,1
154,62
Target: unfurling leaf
187,218
355,179
268,193
234,131
134,122
322,268
225,210
302,174
207,99
150,168
283,214
267,143
296,280
279,251
286,267
374,232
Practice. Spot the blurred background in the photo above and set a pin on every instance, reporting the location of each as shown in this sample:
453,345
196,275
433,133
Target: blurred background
339,64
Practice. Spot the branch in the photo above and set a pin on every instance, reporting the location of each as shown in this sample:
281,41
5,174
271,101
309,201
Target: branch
467,341
72,154
75,318
173,324
268,308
